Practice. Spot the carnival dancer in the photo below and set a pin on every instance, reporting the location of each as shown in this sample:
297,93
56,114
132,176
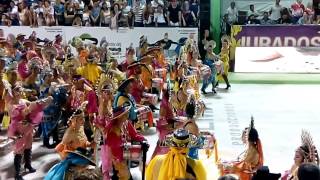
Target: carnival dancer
91,70
191,126
53,112
165,124
123,96
225,56
138,88
180,98
2,88
306,153
130,54
82,91
59,46
24,115
210,61
118,75
74,137
105,92
120,133
252,158
176,164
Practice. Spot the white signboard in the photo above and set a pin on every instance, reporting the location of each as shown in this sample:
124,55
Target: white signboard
118,40
278,59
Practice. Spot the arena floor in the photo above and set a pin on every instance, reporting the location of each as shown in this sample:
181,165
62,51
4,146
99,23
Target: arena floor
280,113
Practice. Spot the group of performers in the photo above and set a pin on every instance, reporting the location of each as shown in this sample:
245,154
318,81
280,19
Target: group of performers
96,108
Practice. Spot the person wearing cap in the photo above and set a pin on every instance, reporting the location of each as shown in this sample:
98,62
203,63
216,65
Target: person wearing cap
24,115
74,137
176,164
91,70
30,82
123,96
119,132
251,160
209,60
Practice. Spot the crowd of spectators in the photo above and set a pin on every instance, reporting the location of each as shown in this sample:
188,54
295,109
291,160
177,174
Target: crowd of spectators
298,13
104,13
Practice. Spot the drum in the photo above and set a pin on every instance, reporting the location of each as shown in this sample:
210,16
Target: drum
200,108
151,98
145,115
205,71
209,140
194,71
157,83
160,73
132,152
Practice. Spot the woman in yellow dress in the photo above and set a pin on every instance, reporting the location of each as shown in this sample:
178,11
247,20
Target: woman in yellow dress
252,158
224,57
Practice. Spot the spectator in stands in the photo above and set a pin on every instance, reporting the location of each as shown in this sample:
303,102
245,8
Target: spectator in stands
138,13
194,7
308,171
95,14
317,21
156,3
252,20
305,19
266,20
48,13
159,18
297,11
125,8
232,12
77,21
79,7
310,11
285,17
40,20
59,12
105,15
188,17
25,15
225,26
13,13
5,20
174,16
130,19
252,11
69,14
148,14
86,16
275,12
115,14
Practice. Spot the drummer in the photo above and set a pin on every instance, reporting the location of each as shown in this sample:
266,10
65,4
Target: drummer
118,132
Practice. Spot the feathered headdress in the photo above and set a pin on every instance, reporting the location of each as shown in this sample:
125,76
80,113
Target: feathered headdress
78,111
308,148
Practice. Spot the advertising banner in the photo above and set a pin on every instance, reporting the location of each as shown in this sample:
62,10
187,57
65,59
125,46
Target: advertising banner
118,40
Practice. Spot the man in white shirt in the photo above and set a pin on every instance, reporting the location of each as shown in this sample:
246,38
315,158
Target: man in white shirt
275,12
232,12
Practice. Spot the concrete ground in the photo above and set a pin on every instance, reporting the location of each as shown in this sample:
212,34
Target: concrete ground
280,113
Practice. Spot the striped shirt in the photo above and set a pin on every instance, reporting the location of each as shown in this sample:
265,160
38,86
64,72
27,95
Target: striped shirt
138,12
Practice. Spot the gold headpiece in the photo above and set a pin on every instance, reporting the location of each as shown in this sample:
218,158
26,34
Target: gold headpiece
308,148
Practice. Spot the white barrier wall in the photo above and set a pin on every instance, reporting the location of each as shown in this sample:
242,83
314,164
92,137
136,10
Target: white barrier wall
120,39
